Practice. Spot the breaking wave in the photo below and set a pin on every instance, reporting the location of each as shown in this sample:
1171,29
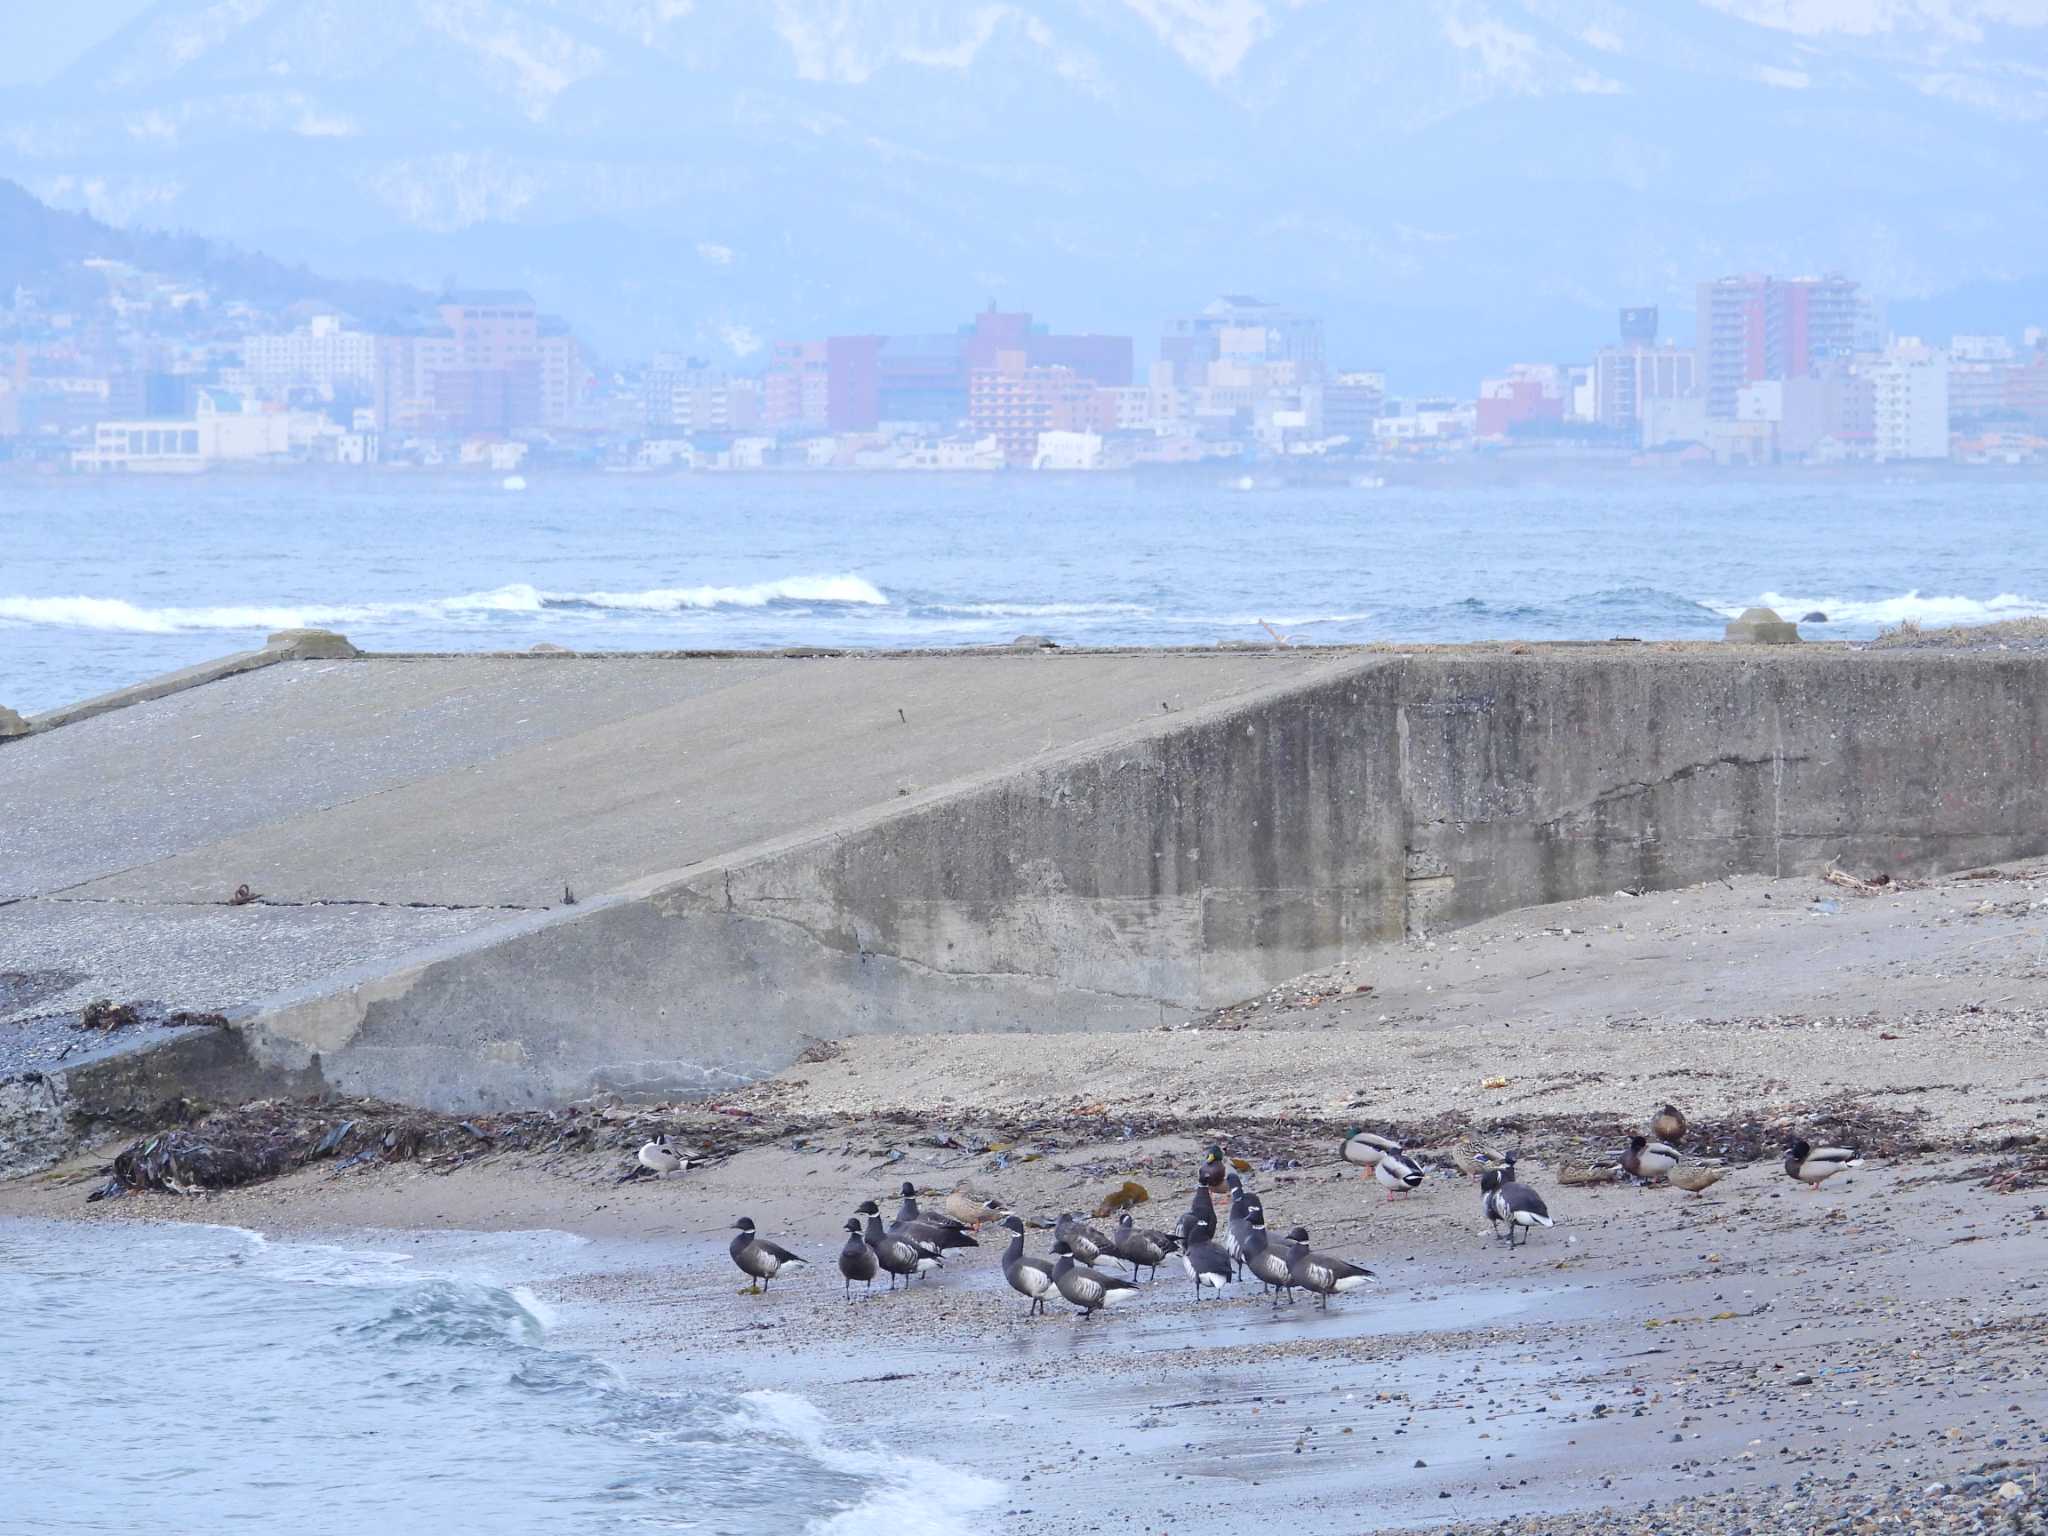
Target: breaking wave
905,1495
1871,613
118,615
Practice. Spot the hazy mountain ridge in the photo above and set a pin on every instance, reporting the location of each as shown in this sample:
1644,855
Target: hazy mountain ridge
45,249
855,163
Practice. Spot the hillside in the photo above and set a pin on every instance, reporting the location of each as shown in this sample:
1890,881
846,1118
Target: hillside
44,249
1451,184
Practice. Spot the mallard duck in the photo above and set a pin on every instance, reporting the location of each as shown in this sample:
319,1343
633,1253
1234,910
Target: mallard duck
758,1257
1648,1160
1088,1289
1697,1177
1506,1201
1028,1277
970,1207
857,1259
1668,1125
1473,1158
1588,1173
1213,1172
1321,1273
1366,1148
1814,1166
897,1254
1397,1173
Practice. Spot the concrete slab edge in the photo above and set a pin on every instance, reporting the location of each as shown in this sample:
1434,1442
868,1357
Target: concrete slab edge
285,645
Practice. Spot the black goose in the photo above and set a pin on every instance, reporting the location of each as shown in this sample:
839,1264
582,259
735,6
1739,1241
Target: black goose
1088,1289
1204,1260
1028,1277
758,1257
1267,1264
1203,1210
1323,1274
1087,1244
1519,1206
934,1234
857,1259
1139,1248
1242,1202
897,1254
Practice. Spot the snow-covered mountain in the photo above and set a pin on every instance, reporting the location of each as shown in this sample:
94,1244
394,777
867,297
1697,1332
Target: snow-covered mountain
1451,182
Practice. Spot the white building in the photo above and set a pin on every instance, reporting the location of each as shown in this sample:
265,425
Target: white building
322,356
1909,399
225,429
1068,450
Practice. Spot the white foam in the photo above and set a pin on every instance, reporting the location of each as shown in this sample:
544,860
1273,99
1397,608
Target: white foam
911,1496
1043,610
848,589
544,1316
1875,612
121,616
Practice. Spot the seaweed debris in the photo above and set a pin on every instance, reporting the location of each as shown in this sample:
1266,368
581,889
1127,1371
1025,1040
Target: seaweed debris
254,1142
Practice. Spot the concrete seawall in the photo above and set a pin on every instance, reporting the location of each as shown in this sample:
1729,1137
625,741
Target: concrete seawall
1114,839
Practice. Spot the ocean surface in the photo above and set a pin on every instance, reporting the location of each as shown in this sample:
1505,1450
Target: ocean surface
164,1378
106,582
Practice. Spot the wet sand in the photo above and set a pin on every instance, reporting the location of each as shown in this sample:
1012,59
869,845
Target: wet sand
1759,1357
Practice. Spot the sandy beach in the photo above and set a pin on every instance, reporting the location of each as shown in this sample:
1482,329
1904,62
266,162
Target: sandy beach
1756,1358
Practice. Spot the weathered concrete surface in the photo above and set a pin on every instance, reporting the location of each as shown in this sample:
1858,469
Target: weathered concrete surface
766,851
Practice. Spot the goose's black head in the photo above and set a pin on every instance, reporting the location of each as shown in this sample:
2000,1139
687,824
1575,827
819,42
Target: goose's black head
908,1191
868,1208
1233,1183
1297,1235
1255,1218
852,1224
1489,1181
744,1224
1014,1223
1060,1250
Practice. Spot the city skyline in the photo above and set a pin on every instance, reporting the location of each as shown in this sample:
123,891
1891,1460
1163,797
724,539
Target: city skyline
701,179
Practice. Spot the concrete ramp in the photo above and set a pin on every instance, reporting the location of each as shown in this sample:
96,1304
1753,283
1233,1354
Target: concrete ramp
764,850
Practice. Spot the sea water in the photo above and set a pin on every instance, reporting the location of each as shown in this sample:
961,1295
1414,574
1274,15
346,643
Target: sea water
104,582
177,1378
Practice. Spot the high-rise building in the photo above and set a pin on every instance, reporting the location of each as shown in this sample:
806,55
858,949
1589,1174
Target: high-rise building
1352,403
493,365
1243,330
323,356
1627,378
1755,327
1014,401
1909,401
872,379
793,391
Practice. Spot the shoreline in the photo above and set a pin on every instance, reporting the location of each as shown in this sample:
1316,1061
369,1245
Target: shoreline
1813,1354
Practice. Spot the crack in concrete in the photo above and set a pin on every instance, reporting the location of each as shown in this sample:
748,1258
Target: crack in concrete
265,901
1630,789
